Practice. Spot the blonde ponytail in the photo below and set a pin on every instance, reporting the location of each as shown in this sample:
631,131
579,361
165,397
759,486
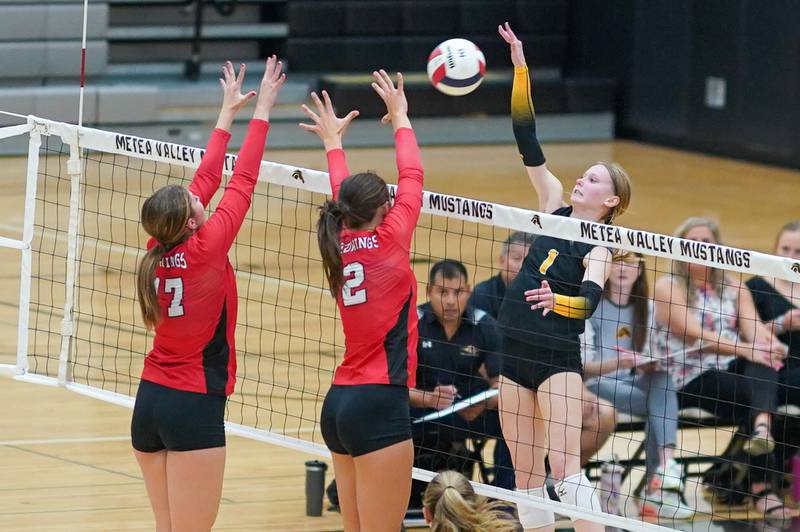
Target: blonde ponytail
454,507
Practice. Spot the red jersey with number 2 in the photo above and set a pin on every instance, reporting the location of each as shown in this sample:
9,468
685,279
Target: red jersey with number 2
193,348
378,302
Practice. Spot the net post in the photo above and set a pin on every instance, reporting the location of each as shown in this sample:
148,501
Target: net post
26,255
75,172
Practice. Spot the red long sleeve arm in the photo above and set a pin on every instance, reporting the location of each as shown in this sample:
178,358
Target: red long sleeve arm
337,170
209,174
402,218
219,232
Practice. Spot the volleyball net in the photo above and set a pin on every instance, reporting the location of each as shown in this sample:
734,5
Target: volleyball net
79,324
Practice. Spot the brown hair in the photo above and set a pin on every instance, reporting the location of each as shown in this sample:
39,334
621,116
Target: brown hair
640,296
454,507
359,197
622,189
164,217
791,226
680,269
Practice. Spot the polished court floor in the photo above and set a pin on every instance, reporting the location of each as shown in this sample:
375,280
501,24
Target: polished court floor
65,460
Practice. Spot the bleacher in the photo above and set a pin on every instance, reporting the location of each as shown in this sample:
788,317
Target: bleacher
152,65
357,36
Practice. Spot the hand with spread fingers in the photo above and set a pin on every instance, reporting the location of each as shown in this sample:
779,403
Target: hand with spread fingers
542,297
394,97
232,98
271,85
326,124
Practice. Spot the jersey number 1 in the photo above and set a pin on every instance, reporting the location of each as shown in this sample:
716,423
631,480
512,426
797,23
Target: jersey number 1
173,285
353,278
546,263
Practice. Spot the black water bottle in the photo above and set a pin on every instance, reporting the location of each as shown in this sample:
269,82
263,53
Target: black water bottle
315,487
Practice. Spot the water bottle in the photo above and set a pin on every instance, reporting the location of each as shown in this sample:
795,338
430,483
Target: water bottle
315,487
610,484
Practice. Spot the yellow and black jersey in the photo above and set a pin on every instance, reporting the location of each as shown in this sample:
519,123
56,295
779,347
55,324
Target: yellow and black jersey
560,262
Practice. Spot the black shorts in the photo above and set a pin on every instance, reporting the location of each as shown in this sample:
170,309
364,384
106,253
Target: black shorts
363,418
529,365
174,420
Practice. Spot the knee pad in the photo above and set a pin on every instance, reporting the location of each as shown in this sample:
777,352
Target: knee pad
532,517
578,491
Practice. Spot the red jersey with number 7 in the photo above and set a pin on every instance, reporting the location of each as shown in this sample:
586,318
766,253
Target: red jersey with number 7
194,348
379,298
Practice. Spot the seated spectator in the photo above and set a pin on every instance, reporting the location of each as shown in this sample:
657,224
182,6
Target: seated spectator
450,504
777,302
458,358
721,357
618,368
488,295
599,416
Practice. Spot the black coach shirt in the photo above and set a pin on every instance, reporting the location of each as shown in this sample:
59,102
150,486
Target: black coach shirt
457,361
489,295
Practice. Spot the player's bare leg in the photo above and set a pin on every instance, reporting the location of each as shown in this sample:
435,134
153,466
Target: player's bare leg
383,486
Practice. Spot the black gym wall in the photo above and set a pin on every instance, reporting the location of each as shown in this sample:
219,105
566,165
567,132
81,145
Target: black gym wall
721,76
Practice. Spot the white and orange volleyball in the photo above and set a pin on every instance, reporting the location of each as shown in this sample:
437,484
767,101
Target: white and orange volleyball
456,67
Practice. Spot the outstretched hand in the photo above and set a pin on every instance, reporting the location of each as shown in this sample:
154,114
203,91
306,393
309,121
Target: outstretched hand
508,35
232,97
393,97
327,125
271,85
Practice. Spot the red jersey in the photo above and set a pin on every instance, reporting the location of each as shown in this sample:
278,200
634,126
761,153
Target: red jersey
379,298
194,347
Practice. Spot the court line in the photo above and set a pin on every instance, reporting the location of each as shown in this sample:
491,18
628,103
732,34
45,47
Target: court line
52,441
75,462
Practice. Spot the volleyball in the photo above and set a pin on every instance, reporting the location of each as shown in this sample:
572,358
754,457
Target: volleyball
456,67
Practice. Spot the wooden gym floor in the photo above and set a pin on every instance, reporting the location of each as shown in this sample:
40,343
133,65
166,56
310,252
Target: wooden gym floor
65,460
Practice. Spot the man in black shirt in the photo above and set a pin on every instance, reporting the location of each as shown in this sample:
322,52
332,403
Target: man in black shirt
458,358
489,294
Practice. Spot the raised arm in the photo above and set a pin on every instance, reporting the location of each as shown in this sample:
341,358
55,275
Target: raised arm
402,217
330,130
523,120
337,170
209,174
219,232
